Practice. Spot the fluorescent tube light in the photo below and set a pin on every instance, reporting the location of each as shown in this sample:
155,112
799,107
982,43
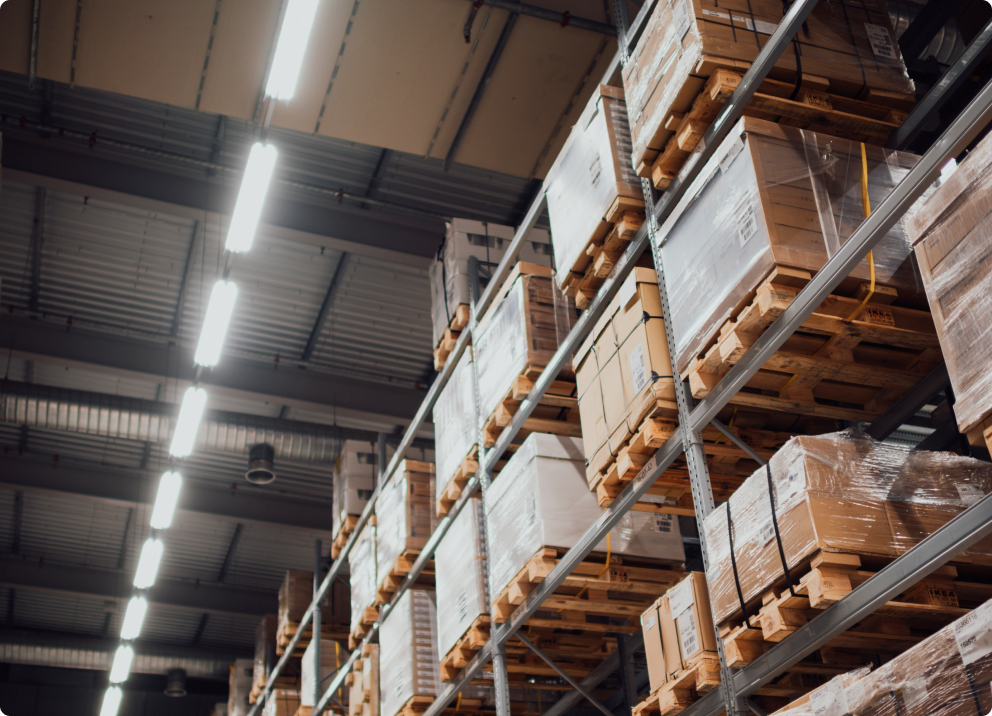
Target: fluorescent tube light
188,422
111,701
151,557
215,323
165,501
122,664
290,48
134,617
251,197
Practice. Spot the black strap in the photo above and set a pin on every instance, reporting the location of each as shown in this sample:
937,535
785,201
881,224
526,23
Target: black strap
444,283
795,48
733,563
778,537
974,691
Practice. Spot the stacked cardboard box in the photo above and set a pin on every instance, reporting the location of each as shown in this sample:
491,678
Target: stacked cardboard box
841,493
239,687
331,658
848,48
364,581
354,481
408,652
456,432
363,683
953,243
405,519
282,702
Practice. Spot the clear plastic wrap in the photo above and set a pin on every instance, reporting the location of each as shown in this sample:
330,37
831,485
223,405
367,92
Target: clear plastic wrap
523,328
239,687
331,658
591,171
541,499
773,195
461,576
850,50
354,480
456,430
487,243
841,492
830,699
408,664
623,370
404,513
952,233
265,641
282,702
362,566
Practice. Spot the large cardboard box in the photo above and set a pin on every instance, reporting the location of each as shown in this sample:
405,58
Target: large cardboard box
405,514
774,196
654,648
331,657
541,499
591,171
461,572
623,371
282,702
409,664
952,234
456,429
850,50
354,480
686,623
364,575
265,650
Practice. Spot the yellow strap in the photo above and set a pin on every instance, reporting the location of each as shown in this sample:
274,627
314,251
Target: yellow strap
458,704
601,573
866,204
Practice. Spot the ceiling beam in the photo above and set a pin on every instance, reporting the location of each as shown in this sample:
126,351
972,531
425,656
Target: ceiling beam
116,585
127,487
565,19
192,190
144,359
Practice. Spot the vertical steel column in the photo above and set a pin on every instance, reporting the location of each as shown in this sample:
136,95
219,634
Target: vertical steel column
315,640
380,456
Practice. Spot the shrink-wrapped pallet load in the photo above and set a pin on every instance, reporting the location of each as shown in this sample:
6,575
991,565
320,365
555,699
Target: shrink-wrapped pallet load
952,234
456,433
461,571
404,520
282,702
541,499
331,657
295,596
623,371
363,683
408,662
265,652
847,48
354,481
515,340
589,187
239,687
363,578
450,274
842,493
775,196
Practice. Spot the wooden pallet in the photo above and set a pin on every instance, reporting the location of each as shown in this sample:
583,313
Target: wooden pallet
282,682
364,626
622,221
288,630
474,638
557,412
621,592
831,367
827,578
419,704
450,493
460,319
700,677
344,532
398,572
858,120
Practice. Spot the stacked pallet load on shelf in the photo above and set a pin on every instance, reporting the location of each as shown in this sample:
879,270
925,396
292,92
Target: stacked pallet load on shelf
471,246
456,434
405,520
947,673
408,655
953,243
362,568
767,212
332,655
354,481
515,340
295,595
595,204
538,508
282,702
266,657
363,683
463,625
844,75
239,687
844,507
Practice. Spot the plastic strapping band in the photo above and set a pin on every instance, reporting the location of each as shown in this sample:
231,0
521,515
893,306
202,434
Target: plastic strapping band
974,691
778,537
733,563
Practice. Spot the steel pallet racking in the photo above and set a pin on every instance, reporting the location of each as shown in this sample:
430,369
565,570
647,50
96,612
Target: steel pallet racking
953,538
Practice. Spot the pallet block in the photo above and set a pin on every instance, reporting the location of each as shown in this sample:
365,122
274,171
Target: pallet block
397,574
288,631
344,532
683,689
557,411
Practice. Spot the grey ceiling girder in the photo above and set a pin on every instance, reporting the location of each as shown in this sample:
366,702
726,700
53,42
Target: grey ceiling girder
245,504
116,585
236,377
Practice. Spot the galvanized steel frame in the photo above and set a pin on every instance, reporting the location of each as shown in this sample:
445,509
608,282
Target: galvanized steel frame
953,538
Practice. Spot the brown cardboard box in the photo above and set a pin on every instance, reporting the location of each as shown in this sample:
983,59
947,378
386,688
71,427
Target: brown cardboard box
654,650
689,634
282,702
952,234
682,45
405,516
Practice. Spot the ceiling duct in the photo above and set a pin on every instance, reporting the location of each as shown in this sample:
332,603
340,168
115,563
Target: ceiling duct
260,464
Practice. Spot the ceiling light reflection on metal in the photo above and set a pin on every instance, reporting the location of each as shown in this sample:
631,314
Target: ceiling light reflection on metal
290,48
148,562
134,618
251,197
111,701
122,664
188,422
215,323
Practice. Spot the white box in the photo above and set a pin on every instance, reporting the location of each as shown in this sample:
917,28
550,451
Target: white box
455,428
460,571
239,687
408,661
364,575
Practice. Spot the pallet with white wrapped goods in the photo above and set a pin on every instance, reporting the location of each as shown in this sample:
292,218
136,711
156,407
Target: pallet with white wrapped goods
396,574
287,630
460,319
363,683
450,493
557,411
465,649
363,627
344,532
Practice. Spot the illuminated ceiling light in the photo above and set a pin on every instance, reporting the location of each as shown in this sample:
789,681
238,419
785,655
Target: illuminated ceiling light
111,701
134,617
290,48
251,197
122,664
215,323
188,422
148,562
165,501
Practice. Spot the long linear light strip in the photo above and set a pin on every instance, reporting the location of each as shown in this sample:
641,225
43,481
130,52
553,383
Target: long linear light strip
290,49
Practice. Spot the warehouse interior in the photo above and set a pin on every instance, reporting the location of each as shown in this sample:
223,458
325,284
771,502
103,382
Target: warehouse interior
127,136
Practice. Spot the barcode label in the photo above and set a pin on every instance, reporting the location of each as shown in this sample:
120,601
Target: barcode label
461,606
881,41
970,494
638,371
973,633
766,534
687,634
664,523
680,19
747,221
680,598
765,28
714,13
829,700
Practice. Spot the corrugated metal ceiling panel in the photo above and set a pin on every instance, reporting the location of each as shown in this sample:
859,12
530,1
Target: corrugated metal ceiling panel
264,554
229,630
57,611
17,209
